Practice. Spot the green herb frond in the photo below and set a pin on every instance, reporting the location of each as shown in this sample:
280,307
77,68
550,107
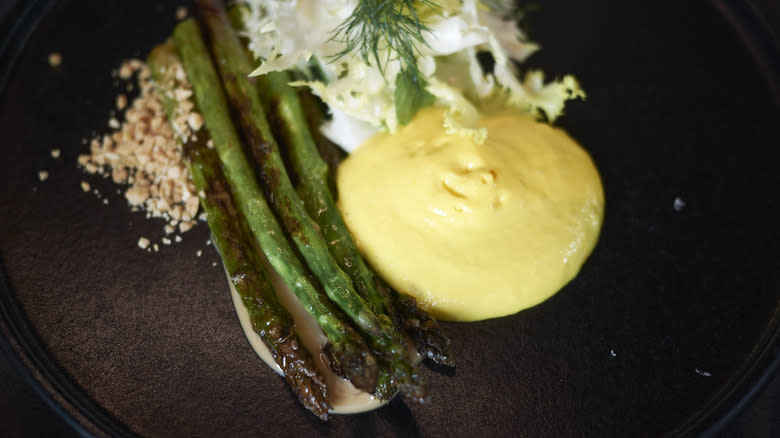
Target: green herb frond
391,27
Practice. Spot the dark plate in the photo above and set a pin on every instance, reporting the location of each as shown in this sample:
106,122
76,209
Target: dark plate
672,322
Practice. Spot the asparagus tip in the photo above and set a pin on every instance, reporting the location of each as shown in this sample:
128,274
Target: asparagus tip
358,366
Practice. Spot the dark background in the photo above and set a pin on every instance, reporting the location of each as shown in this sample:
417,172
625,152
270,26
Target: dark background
23,413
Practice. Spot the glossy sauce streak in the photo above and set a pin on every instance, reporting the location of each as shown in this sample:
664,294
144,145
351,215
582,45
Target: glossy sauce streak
343,397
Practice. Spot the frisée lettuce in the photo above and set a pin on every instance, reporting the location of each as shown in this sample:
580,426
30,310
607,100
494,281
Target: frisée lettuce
386,87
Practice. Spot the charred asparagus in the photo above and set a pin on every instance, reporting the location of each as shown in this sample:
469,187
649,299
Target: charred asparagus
348,353
270,320
233,66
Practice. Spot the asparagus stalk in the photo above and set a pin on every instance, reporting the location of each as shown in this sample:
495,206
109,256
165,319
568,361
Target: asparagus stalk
296,117
285,109
330,153
347,351
313,174
270,319
233,66
415,323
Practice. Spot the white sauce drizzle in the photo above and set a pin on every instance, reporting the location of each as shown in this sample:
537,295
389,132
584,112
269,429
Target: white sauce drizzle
342,395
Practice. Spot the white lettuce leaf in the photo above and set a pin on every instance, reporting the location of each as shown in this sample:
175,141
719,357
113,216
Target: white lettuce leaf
286,34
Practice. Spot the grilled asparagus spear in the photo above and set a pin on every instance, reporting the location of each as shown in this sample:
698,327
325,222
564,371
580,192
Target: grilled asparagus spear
282,100
233,66
236,246
296,125
347,351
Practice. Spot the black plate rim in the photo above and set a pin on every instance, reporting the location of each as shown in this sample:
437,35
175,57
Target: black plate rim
21,346
764,362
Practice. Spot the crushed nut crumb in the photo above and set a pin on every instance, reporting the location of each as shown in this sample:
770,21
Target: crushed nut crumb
43,175
55,59
181,13
143,243
55,153
182,94
143,153
186,226
125,72
121,102
195,121
85,186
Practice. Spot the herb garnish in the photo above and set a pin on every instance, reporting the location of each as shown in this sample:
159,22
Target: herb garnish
381,31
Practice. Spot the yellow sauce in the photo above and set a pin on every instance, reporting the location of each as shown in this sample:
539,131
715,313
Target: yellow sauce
473,231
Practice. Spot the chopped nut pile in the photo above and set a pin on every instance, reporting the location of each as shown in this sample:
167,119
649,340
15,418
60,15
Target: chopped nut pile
142,153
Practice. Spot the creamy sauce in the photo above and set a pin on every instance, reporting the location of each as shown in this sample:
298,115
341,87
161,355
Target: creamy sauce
342,395
473,231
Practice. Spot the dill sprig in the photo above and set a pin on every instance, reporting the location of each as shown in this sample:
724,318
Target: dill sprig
381,31
392,27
